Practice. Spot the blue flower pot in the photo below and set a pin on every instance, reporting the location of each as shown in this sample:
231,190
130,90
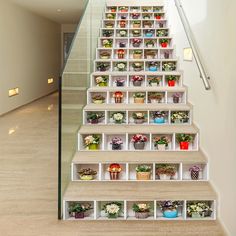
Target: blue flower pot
153,68
159,120
149,35
170,214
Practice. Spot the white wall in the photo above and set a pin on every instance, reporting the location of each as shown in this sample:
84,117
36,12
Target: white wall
30,54
214,26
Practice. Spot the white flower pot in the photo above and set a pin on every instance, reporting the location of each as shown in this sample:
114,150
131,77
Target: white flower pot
161,147
154,84
150,57
164,177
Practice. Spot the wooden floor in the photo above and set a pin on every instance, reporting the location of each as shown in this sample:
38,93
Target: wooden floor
28,184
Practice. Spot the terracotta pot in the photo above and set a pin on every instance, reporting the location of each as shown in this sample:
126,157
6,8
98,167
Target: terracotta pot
114,175
121,56
141,215
171,83
137,56
194,175
118,100
137,83
139,146
136,25
79,215
139,100
143,175
184,145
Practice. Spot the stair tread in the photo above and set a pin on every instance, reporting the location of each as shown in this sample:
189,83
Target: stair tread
136,73
138,191
193,157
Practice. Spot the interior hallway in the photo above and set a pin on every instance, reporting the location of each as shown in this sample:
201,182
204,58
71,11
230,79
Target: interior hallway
28,183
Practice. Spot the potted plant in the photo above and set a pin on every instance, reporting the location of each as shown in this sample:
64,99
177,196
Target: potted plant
136,24
103,66
116,143
118,117
120,82
137,66
171,80
198,209
136,33
135,16
150,54
98,99
101,81
159,117
111,16
107,33
78,210
176,97
142,210
157,9
153,66
146,16
113,209
166,171
87,174
139,117
92,142
122,44
121,53
123,17
162,33
139,141
107,43
161,143
121,66
168,66
93,117
118,96
123,9
109,24
154,81
155,97
137,54
146,9
123,33
170,208
178,117
112,9
149,33
137,80
143,172
114,169
139,97
134,9
194,172
147,24
123,23
105,55
150,43
158,16
164,43
184,140
136,43
161,25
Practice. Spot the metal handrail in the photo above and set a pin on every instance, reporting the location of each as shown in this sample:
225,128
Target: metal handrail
196,54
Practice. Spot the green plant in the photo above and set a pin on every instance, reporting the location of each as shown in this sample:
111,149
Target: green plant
150,42
138,51
87,171
164,40
184,138
172,77
139,95
161,140
98,97
169,66
141,207
79,207
143,168
201,208
94,116
166,169
179,115
137,22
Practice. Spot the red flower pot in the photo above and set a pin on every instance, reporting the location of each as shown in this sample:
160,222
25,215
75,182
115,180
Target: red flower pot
79,215
184,145
158,17
164,45
171,83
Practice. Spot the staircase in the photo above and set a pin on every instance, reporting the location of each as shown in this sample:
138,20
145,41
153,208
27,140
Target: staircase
137,89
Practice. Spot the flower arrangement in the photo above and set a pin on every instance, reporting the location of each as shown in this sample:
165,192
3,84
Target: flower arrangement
194,172
98,99
166,171
139,138
136,33
123,23
137,66
107,43
87,174
105,55
113,209
112,9
143,172
164,42
93,117
118,117
109,24
121,53
123,9
158,16
136,24
134,9
123,33
149,43
171,79
155,97
107,33
146,9
122,44
139,117
168,66
161,142
162,33
137,80
141,210
176,97
179,117
92,142
170,208
198,209
121,66
137,54
139,97
118,96
103,66
184,140
149,32
159,117
146,16
111,16
78,210
154,81
153,66
120,82
157,9
101,81
116,143
114,169
135,15
143,168
136,42
147,24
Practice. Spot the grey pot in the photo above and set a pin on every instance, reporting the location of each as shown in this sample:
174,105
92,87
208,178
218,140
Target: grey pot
139,121
139,145
137,83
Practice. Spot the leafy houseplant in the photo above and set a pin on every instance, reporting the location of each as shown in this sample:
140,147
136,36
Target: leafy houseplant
112,9
138,117
164,42
136,33
142,210
103,66
116,143
137,80
107,43
136,24
114,169
111,16
143,172
92,142
194,172
93,117
154,81
166,171
179,117
123,9
146,9
162,33
98,99
107,33
170,208
146,16
135,15
198,209
171,79
105,55
121,66
137,66
78,210
153,66
118,96
161,143
150,43
139,141
176,97
101,81
118,117
155,97
113,209
136,42
169,66
149,32
184,140
87,174
137,54
109,24
139,97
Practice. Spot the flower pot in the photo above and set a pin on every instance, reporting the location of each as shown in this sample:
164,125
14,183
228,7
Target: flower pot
150,57
136,45
104,57
104,84
123,11
137,56
139,100
137,69
86,177
122,45
137,83
164,45
121,56
154,84
149,35
123,17
118,100
171,83
159,120
119,84
93,121
79,215
147,26
113,216
93,146
143,175
184,145
161,25
150,45
153,68
139,121
116,146
139,145
136,25
98,101
158,17
161,147
178,121
170,214
196,215
141,215
194,175
114,175
175,99
164,177
166,55
155,101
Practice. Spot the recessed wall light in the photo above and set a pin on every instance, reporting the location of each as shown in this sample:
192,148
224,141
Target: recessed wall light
188,54
13,92
58,10
50,80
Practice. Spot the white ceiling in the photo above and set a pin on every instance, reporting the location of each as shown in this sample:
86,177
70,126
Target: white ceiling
70,9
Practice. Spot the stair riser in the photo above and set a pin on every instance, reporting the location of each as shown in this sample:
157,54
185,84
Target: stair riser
74,97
